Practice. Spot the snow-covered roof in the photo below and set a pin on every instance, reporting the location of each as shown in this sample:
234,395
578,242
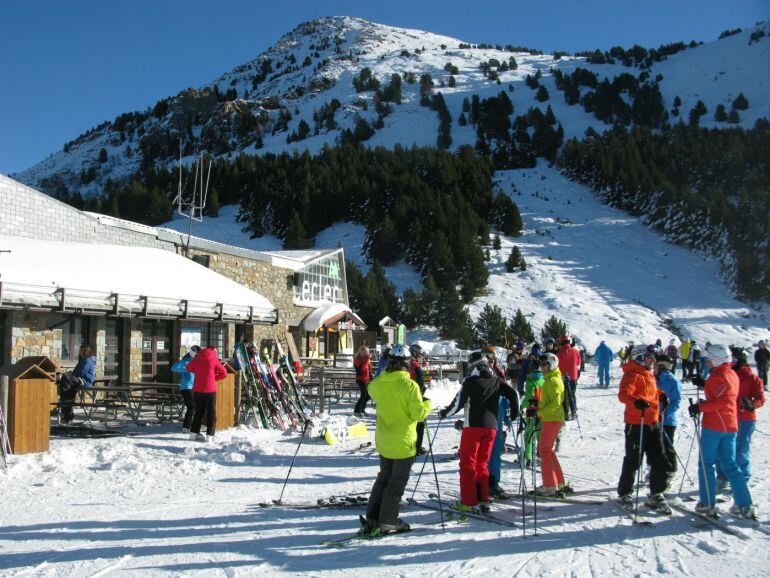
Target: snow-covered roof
328,314
121,279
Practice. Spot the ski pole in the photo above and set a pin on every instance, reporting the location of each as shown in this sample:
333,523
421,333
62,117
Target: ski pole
291,466
574,408
670,442
639,468
435,475
534,475
702,462
687,463
427,455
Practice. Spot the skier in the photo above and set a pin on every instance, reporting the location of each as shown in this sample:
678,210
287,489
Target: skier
762,359
684,352
363,367
569,365
673,353
207,370
670,400
550,345
529,363
400,406
383,362
186,385
532,396
604,357
640,394
479,396
490,352
751,396
417,375
694,359
495,458
718,434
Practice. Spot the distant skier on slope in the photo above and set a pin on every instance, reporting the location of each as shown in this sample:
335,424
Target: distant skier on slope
762,359
673,353
642,398
604,357
400,406
479,397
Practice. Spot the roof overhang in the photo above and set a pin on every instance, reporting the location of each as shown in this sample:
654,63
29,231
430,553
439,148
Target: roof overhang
123,281
331,314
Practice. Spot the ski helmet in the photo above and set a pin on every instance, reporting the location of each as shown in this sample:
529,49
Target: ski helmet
716,353
550,359
639,352
740,355
399,352
416,350
476,357
664,362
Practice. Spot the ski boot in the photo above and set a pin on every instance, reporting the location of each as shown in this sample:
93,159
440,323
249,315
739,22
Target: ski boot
386,529
708,510
547,491
626,501
747,512
499,493
658,503
565,489
464,509
367,526
485,507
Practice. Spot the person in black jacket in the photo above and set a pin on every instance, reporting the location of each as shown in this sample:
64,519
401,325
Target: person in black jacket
762,359
417,375
479,396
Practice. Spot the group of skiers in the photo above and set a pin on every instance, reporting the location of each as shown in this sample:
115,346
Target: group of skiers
541,402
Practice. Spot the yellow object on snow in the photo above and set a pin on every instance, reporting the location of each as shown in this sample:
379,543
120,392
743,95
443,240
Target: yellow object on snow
330,437
358,430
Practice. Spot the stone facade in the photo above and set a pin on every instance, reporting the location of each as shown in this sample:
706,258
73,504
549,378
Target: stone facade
30,334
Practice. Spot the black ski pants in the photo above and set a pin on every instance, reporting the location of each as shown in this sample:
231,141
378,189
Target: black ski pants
205,405
420,433
569,405
189,403
363,397
669,432
388,488
652,440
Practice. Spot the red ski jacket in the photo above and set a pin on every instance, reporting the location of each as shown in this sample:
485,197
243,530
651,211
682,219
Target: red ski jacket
720,408
638,382
569,361
363,367
750,386
207,369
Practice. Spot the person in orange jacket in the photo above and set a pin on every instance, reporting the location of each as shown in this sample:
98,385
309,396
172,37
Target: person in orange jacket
719,432
643,400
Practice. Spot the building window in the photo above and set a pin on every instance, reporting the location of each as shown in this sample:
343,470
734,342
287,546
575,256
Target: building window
74,334
213,335
204,260
3,326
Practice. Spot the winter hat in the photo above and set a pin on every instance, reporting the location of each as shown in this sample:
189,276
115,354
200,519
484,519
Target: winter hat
717,353
551,359
740,355
639,352
476,357
664,362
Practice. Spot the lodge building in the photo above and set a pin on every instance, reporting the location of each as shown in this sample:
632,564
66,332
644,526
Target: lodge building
140,295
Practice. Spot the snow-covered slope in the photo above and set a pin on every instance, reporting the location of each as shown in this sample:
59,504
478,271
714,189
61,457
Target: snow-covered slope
317,62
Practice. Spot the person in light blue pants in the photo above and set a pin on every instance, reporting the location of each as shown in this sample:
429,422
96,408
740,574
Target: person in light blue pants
720,447
495,458
604,357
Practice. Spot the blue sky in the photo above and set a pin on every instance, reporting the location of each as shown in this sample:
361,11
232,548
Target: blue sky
66,66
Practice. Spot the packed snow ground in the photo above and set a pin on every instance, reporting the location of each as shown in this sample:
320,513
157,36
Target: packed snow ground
156,504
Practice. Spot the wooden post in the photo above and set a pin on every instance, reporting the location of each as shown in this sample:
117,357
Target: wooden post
321,389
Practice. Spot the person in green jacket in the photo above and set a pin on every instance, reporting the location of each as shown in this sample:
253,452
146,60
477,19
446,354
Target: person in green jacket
400,406
531,392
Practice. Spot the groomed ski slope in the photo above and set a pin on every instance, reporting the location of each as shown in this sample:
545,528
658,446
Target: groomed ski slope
157,504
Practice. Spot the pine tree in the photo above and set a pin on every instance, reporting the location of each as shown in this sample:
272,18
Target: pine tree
740,102
491,325
496,242
212,203
102,155
720,114
541,94
514,259
697,111
554,328
520,328
733,117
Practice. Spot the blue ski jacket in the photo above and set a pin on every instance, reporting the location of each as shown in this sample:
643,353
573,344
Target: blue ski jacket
604,354
181,367
670,385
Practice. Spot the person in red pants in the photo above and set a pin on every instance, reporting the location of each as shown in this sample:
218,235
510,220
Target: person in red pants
479,396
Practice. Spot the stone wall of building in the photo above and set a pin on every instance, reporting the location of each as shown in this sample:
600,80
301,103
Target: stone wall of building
30,335
31,214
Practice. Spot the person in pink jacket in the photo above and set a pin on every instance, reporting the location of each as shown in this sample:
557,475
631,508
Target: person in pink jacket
207,370
719,432
569,366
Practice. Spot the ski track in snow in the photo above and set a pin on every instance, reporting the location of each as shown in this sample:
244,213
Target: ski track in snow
158,504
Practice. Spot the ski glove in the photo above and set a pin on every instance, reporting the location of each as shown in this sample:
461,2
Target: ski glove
459,425
641,404
531,412
694,409
664,401
747,404
442,413
698,382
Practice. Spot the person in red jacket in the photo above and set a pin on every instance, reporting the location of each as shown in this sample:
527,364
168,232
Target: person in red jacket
751,396
569,366
207,370
719,432
363,366
639,392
